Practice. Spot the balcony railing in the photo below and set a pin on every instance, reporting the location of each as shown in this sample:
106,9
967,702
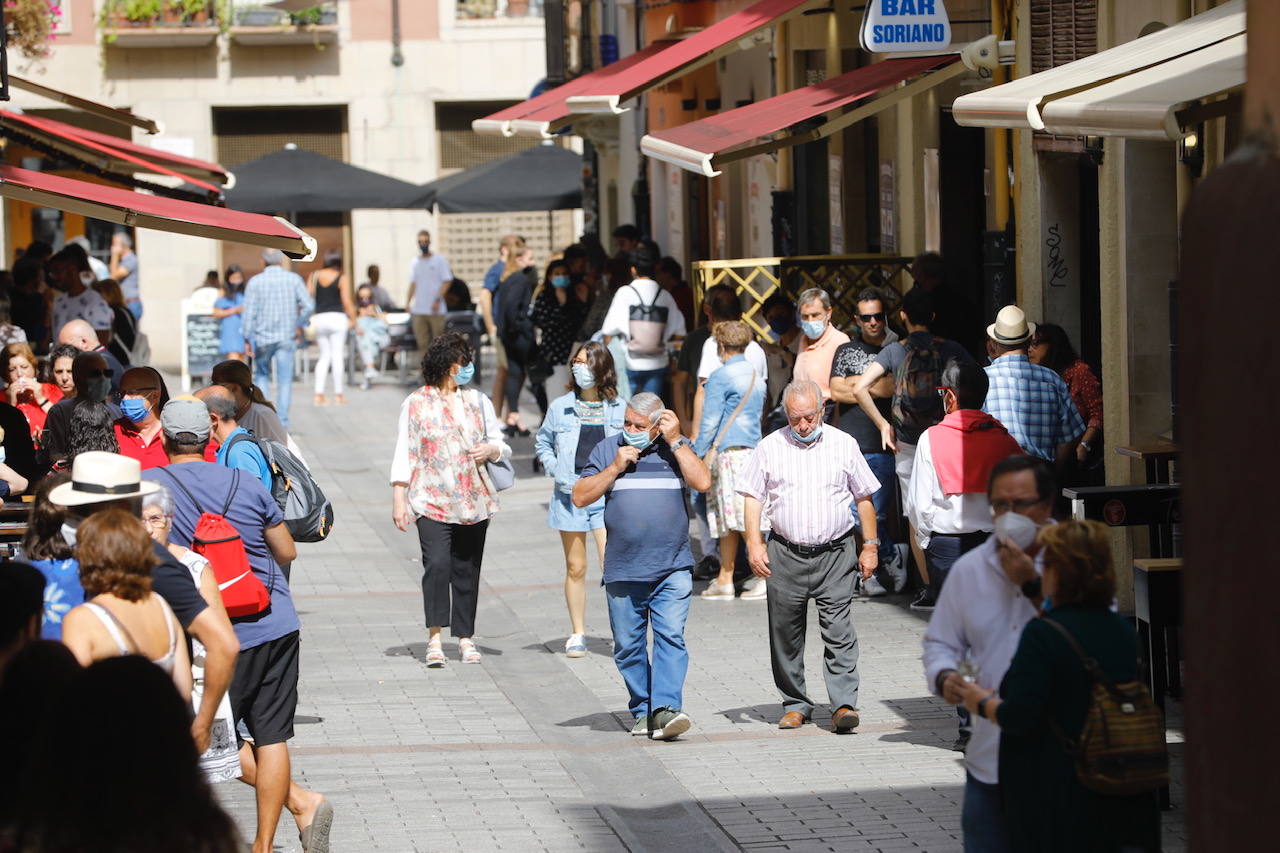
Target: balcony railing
497,10
843,277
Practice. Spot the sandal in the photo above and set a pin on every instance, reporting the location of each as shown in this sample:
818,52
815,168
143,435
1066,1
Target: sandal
319,400
435,656
470,654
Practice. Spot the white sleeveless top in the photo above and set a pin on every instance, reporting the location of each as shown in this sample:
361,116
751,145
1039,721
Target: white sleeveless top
118,633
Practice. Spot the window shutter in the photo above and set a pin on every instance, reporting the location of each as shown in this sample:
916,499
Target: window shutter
1062,31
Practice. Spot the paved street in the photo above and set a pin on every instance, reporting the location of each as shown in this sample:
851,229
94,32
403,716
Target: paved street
528,751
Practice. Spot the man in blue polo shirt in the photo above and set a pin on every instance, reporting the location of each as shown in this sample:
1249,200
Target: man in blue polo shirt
641,473
243,455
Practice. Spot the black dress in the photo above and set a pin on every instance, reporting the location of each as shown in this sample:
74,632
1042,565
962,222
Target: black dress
1046,808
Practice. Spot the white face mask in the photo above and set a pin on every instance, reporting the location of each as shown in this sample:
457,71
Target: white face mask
1017,528
69,534
3,453
87,279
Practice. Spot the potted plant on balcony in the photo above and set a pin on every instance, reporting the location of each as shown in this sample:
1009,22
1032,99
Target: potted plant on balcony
193,13
29,25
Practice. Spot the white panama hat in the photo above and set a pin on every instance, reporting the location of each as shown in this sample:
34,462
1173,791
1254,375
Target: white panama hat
1011,327
97,476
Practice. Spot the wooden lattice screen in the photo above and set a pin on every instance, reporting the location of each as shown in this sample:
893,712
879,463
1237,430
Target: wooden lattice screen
843,277
1062,31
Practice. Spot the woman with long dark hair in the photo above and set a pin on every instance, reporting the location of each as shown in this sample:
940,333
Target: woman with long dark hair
447,434
335,313
559,308
228,308
1051,347
575,423
254,411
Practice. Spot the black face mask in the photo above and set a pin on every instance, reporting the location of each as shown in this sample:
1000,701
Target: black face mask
424,248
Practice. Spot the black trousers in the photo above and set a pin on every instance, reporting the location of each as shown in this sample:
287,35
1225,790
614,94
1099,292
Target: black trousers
521,356
451,555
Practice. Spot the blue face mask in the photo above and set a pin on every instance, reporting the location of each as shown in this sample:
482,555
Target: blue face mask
1046,605
559,281
813,329
583,376
807,439
465,373
135,409
638,440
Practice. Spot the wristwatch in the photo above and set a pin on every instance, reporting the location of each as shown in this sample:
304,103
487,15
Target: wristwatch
982,705
866,542
681,442
1032,588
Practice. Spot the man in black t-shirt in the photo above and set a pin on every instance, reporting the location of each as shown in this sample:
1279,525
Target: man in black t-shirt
849,363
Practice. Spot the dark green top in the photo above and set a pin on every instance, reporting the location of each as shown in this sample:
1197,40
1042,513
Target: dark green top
1046,808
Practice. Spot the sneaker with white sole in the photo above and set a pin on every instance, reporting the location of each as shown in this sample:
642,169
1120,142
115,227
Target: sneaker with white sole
576,646
872,588
718,592
641,726
669,724
755,589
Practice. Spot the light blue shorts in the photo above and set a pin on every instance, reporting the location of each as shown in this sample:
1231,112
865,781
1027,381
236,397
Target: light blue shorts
563,515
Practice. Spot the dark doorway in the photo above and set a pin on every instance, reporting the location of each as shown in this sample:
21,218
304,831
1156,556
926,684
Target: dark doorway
1090,344
813,210
963,207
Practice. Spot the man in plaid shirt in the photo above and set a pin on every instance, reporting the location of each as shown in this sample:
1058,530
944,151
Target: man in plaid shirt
1031,401
276,307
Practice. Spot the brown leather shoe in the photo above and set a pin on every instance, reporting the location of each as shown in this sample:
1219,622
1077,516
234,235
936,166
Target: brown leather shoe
792,720
844,720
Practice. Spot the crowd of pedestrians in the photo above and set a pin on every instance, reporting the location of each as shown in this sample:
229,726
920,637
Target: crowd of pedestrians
150,643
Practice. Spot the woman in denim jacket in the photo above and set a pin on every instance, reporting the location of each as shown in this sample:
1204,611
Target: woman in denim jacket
575,423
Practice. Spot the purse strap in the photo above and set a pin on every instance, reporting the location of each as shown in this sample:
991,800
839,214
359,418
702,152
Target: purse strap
724,430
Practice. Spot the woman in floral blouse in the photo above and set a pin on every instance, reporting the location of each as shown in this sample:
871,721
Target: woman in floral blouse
1051,348
446,435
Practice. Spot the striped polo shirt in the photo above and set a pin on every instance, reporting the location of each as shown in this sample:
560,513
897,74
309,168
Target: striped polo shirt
644,513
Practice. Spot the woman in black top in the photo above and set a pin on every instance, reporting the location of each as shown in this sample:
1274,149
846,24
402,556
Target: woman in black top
558,312
335,313
516,329
1046,694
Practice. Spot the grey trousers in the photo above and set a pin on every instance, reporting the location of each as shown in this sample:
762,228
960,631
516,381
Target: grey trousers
828,580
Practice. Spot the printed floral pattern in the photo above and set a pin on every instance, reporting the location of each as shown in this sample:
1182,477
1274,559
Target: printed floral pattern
446,484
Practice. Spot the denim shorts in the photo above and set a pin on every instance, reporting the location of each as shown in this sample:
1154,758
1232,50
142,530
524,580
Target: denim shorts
564,516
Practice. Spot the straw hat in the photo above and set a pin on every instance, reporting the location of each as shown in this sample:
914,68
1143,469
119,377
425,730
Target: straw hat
97,476
1011,327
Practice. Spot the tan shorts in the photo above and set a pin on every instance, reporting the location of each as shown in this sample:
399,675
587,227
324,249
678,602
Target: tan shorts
499,352
426,328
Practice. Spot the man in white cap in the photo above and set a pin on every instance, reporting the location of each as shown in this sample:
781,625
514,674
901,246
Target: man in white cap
264,689
101,480
1031,401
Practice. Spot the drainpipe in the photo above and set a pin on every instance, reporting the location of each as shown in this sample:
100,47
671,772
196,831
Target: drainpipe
1000,136
397,57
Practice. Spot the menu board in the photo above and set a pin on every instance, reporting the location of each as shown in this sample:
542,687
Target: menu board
200,349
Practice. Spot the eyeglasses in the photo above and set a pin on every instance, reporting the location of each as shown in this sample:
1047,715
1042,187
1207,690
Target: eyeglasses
1017,506
943,389
867,318
155,520
136,392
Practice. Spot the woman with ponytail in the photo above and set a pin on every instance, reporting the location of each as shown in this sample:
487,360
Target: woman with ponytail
253,411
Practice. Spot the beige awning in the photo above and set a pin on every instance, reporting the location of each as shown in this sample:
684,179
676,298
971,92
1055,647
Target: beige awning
1155,103
1022,103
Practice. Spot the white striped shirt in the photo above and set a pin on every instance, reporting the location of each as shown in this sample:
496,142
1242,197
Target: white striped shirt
808,489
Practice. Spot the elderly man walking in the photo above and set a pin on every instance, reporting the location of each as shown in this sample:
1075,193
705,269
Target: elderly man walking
276,307
648,567
805,478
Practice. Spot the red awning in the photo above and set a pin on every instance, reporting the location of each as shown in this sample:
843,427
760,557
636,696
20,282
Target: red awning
702,145
548,112
604,89
703,47
125,207
116,154
86,105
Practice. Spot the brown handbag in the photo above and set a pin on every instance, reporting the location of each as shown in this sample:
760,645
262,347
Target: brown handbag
710,459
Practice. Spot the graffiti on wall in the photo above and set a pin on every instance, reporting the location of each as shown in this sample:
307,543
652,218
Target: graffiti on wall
1057,258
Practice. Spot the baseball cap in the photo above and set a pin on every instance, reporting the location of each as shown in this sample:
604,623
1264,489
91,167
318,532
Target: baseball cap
185,414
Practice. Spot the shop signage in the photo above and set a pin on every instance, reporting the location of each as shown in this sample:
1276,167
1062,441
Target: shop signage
905,26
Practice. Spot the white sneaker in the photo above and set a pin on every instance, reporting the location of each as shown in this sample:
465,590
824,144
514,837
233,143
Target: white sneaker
576,646
718,592
755,589
873,588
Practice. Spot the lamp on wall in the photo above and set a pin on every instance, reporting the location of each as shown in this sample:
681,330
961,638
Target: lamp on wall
1191,151
1093,149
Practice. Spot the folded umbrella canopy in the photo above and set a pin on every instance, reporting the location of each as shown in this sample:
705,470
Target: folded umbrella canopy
297,181
545,177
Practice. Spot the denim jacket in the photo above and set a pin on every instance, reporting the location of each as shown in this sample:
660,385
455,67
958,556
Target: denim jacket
556,443
721,395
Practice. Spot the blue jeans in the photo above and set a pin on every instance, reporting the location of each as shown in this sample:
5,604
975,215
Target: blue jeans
634,607
281,356
653,381
885,500
982,818
135,308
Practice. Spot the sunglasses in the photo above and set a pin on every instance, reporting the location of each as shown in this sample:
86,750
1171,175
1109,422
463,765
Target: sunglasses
867,318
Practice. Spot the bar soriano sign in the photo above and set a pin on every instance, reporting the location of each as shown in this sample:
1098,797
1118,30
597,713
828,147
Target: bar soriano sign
905,26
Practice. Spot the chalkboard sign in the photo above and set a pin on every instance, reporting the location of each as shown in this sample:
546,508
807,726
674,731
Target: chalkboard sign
202,350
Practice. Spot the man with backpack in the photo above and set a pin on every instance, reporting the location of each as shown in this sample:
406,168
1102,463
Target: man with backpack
227,516
648,317
243,455
916,364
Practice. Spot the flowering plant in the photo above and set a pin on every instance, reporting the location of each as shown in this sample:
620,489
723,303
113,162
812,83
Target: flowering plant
30,25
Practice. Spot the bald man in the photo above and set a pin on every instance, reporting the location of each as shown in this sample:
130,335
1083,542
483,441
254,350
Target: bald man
243,454
81,335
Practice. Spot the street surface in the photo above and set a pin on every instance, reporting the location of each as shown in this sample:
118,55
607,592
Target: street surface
529,750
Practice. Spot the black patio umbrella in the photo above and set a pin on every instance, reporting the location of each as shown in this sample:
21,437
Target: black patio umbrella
299,181
544,177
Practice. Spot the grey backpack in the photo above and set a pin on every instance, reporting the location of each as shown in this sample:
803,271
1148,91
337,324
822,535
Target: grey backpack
307,512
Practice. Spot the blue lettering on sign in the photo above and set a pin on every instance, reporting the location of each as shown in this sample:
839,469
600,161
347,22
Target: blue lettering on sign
890,26
907,7
907,33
